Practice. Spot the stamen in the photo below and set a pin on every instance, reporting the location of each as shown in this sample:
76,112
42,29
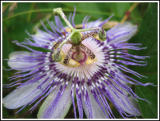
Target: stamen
57,56
102,35
73,63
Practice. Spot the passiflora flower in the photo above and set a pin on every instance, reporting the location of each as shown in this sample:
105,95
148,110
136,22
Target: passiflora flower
85,67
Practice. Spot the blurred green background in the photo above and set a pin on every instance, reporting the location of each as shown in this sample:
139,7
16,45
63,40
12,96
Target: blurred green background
21,17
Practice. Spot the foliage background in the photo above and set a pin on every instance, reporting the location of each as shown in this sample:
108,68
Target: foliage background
19,17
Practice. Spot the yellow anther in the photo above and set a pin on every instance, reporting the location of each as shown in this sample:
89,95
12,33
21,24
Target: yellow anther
96,37
62,54
90,61
68,29
73,63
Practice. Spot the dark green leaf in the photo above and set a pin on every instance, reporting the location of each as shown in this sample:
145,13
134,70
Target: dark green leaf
148,36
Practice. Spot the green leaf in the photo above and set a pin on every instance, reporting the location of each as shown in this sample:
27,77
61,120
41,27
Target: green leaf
148,36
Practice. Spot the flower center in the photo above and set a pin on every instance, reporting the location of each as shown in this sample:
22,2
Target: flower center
75,56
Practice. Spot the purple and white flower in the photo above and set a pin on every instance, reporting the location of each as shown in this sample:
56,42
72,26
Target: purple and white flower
89,73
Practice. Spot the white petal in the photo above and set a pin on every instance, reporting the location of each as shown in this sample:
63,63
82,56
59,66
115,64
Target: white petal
22,96
96,110
61,108
17,62
135,104
129,107
121,32
66,48
132,104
